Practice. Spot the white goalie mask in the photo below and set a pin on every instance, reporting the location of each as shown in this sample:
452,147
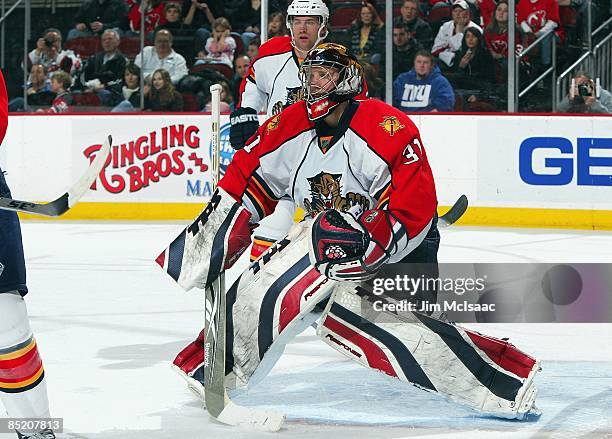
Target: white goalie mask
329,76
309,8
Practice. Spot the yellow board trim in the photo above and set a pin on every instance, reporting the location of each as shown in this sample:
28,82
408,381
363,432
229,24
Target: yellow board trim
475,216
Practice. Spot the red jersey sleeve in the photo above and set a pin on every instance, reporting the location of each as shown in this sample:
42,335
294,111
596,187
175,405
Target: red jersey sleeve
3,108
409,200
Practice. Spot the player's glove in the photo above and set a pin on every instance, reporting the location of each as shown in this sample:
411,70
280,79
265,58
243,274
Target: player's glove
244,123
343,248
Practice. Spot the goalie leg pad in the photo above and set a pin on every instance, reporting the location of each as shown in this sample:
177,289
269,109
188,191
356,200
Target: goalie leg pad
212,243
271,303
486,374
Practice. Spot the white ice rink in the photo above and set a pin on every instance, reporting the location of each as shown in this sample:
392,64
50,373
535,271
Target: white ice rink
109,322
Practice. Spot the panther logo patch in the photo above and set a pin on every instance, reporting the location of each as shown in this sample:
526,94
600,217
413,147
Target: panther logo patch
325,193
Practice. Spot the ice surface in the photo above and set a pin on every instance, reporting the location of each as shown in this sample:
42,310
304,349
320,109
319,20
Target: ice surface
109,322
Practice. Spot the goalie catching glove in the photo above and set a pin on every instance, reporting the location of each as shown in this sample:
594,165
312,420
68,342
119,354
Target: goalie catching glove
346,249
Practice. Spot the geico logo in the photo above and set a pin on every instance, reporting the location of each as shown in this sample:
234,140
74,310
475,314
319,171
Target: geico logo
244,118
552,161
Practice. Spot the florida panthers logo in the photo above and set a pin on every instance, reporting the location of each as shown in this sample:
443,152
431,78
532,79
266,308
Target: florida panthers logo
325,193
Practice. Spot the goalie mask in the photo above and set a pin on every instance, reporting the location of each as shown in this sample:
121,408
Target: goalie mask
329,76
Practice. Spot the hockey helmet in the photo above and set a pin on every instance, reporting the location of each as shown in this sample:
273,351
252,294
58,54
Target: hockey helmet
307,8
330,91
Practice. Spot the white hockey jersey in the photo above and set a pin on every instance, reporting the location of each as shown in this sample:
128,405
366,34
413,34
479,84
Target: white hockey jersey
272,82
375,161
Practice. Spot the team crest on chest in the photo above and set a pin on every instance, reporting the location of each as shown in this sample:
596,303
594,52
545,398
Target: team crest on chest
273,124
391,125
326,193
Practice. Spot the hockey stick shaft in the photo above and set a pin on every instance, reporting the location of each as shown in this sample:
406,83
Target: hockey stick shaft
214,317
62,204
454,213
218,402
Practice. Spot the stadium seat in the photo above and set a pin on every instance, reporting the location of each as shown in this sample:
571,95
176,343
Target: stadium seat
84,46
190,103
86,100
239,43
224,69
130,46
343,16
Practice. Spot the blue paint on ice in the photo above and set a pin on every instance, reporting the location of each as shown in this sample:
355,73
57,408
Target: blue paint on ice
573,396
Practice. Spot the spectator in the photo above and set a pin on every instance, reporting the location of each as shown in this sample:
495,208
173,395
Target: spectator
60,83
49,53
253,48
366,33
277,26
416,27
496,35
38,91
241,68
405,47
423,89
220,47
105,68
162,96
95,16
200,14
174,20
536,17
128,92
450,35
584,97
162,56
154,16
472,75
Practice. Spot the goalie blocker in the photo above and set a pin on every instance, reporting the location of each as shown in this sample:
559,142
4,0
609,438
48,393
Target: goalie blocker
209,245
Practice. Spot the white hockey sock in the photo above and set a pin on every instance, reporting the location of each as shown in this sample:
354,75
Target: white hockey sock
23,389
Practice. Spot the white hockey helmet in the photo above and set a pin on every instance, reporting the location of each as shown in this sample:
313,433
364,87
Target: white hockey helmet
304,8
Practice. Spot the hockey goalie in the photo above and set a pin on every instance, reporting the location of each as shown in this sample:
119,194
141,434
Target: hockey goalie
360,172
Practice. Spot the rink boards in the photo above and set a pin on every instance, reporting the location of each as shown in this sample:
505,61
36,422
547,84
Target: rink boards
525,171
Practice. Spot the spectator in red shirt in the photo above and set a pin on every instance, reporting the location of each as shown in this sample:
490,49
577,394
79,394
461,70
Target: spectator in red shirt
154,16
536,17
496,34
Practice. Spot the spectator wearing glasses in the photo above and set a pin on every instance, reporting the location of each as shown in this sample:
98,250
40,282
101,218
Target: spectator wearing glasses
162,56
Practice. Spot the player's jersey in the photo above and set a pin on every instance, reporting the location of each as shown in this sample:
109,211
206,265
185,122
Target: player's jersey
375,161
272,82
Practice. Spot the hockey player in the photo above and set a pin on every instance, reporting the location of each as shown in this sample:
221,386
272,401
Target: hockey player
271,84
359,170
23,389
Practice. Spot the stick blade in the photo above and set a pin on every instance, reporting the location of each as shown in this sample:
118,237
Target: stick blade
454,213
249,418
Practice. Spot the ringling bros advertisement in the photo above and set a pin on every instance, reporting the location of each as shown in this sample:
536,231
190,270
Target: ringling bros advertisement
156,159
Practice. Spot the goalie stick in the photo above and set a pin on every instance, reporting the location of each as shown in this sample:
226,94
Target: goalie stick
218,403
62,204
454,213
